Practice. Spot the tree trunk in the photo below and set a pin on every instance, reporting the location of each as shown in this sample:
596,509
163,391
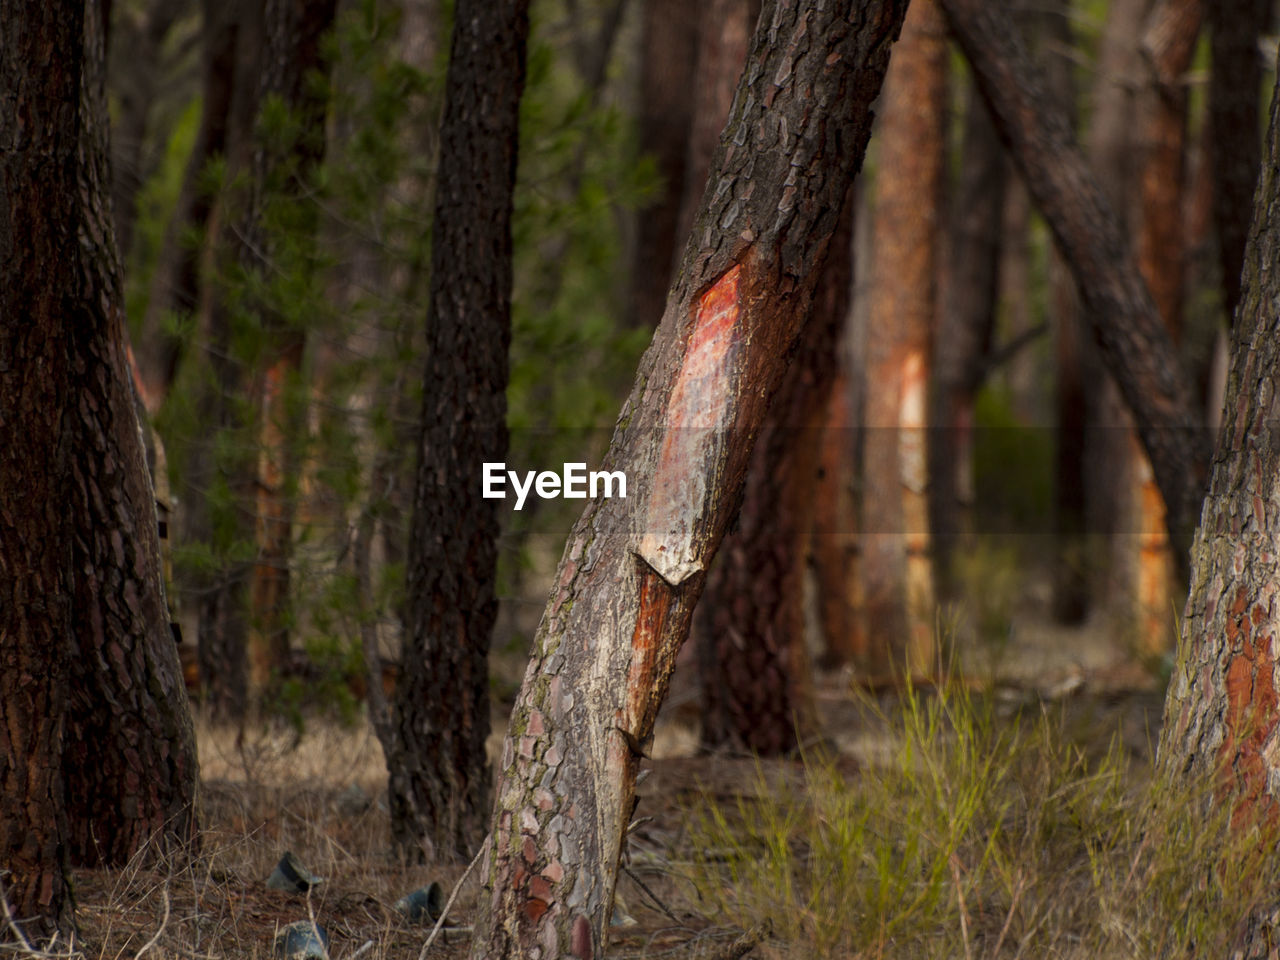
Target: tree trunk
754,663
99,752
439,774
1235,27
633,568
295,76
1221,718
966,322
1168,45
175,284
1124,322
896,568
668,52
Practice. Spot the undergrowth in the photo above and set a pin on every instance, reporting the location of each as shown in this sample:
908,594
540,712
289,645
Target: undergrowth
982,835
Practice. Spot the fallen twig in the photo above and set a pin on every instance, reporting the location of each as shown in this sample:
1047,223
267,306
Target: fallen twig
435,931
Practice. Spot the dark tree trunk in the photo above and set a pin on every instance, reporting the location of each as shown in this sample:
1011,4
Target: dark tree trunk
1221,716
633,568
897,556
175,284
1124,322
99,753
1235,27
137,58
217,482
966,321
754,663
439,774
668,51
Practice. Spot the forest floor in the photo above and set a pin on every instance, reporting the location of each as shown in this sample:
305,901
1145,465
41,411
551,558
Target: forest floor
725,841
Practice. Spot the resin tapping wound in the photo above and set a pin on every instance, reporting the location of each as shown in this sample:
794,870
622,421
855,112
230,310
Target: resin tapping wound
698,415
653,604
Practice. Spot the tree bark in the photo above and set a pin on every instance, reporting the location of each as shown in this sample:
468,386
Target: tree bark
1124,322
439,774
1235,27
633,568
754,663
1221,718
897,565
99,752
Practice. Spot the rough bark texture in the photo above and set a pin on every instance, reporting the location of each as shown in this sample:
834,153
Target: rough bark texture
896,569
754,663
99,753
439,775
1221,717
1235,26
1124,322
633,568
966,322
668,52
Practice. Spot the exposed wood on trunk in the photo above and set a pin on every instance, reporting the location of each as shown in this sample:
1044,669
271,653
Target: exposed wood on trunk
439,783
1124,322
633,568
897,562
99,753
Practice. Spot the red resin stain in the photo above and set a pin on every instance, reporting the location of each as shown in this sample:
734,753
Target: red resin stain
698,413
651,618
1250,713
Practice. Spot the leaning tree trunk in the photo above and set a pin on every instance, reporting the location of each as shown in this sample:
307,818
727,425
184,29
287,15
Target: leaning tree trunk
439,774
1124,321
896,564
633,568
99,753
754,662
1222,714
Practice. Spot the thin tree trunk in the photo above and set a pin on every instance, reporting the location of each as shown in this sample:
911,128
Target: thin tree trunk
668,52
175,284
1168,45
897,573
295,75
99,752
1235,27
966,322
440,795
633,568
755,672
1122,317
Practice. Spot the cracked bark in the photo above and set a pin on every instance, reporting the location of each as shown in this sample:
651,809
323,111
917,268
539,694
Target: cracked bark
439,775
1221,715
1123,319
97,752
633,568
